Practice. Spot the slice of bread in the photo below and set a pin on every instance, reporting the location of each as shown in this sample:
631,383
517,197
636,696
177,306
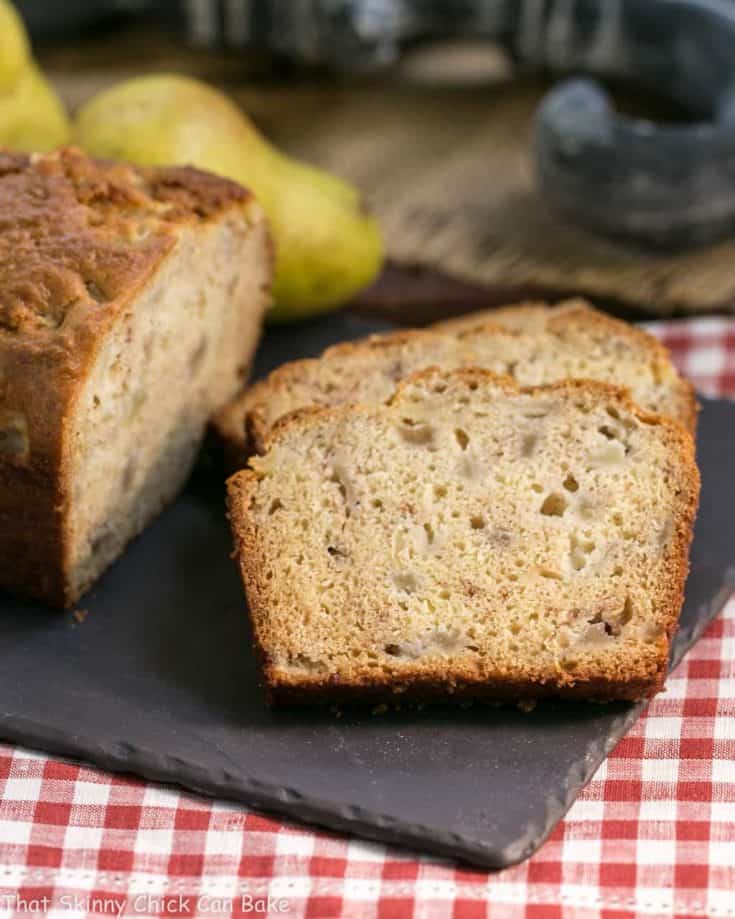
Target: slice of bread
364,371
539,344
471,539
130,307
533,343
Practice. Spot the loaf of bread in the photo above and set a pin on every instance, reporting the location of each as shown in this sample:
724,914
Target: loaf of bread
471,539
130,306
533,343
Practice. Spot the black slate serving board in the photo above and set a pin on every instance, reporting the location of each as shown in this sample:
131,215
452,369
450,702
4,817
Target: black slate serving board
159,680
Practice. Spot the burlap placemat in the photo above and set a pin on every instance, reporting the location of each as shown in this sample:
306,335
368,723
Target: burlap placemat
450,176
447,170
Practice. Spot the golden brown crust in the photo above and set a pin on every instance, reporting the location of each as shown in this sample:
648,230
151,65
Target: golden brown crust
564,316
78,240
527,310
78,236
424,682
433,687
242,425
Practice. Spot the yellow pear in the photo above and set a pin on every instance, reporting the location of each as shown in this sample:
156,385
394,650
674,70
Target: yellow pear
32,117
327,247
15,51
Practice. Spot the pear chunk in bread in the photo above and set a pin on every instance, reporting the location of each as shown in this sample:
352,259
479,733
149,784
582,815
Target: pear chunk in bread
533,343
130,307
468,539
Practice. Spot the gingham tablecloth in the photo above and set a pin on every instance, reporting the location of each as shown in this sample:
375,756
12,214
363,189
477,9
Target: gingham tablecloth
653,834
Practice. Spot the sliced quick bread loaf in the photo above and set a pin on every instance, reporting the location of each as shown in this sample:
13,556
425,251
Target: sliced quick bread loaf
470,538
533,343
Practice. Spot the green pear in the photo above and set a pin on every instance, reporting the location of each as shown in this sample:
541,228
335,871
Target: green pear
15,50
327,247
31,116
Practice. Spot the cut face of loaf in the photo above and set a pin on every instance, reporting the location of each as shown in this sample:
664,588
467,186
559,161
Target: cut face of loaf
534,343
130,307
468,539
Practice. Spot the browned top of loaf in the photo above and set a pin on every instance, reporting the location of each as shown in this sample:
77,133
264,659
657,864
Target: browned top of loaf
79,236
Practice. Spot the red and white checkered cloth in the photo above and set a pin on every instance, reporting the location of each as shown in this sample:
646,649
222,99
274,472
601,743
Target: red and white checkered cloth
653,834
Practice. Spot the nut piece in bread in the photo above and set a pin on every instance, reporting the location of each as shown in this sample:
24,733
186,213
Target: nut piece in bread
469,539
533,343
130,306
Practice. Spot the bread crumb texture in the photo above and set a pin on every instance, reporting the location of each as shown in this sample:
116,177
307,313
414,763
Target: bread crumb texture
469,538
533,343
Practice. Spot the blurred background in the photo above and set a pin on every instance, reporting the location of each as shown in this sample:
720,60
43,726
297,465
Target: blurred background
431,113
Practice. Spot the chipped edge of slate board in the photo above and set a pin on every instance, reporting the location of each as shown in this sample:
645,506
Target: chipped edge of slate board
121,756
